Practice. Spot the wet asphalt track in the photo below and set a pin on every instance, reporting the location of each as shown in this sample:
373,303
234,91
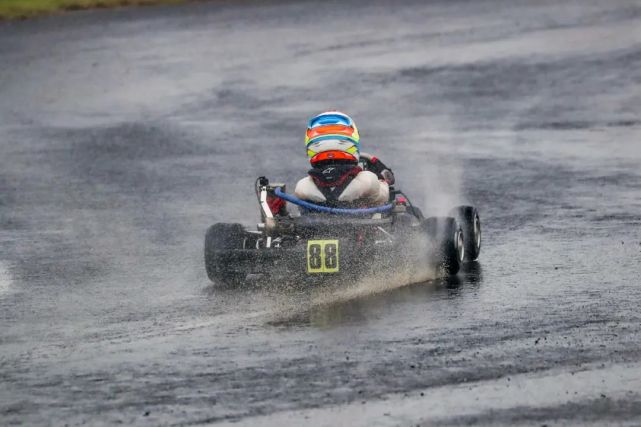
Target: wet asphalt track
124,134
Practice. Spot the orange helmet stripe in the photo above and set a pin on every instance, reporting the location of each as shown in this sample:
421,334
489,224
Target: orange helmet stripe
341,130
330,130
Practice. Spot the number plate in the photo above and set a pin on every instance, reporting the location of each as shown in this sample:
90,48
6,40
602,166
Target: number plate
322,256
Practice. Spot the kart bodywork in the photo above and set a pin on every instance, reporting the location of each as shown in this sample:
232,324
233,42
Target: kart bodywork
326,244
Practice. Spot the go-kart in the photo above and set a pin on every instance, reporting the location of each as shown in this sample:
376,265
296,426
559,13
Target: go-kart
326,244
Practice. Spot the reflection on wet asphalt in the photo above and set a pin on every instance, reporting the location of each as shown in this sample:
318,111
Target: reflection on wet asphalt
125,134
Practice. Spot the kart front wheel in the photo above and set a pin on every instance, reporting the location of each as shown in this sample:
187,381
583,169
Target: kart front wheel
220,242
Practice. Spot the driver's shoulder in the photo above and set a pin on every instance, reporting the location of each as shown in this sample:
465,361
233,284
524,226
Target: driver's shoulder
366,177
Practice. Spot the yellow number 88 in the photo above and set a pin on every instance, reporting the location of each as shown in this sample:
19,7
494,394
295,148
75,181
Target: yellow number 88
322,256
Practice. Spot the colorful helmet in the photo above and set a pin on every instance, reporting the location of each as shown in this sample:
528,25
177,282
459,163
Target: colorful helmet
335,132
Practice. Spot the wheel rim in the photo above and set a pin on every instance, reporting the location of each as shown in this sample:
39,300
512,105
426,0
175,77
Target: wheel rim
477,232
460,246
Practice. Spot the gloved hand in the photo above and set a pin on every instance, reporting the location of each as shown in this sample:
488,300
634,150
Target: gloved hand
373,164
388,176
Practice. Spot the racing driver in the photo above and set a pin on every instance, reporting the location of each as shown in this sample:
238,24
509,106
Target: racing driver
336,178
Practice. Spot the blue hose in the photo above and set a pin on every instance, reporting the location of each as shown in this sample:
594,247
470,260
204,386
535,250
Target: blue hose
338,211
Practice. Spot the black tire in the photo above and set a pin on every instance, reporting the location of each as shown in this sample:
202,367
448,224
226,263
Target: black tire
470,222
220,241
448,244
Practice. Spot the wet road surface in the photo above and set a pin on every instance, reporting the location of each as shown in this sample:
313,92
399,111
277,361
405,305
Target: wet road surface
124,134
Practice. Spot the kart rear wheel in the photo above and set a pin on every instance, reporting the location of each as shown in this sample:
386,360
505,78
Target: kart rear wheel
220,240
470,222
448,244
